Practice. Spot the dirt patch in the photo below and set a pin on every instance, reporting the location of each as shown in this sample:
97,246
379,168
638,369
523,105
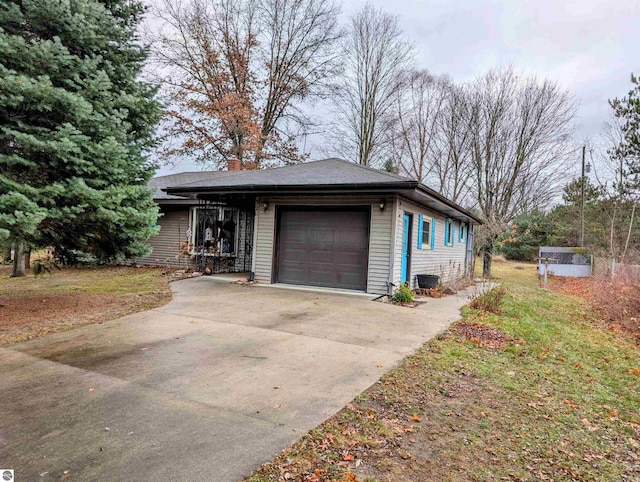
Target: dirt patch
389,300
482,334
31,307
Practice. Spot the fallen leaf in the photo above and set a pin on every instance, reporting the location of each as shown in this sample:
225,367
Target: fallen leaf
416,418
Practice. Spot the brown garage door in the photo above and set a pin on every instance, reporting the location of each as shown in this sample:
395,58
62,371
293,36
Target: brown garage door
323,247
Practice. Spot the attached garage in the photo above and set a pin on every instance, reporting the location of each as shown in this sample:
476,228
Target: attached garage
326,247
331,224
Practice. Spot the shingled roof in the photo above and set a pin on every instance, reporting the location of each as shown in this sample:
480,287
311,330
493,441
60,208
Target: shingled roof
332,172
328,176
160,183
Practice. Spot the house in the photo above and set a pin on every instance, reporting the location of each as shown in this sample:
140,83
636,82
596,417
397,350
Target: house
328,223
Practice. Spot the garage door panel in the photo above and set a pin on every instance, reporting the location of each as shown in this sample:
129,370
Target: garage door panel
321,256
351,237
348,258
295,254
323,236
295,235
323,248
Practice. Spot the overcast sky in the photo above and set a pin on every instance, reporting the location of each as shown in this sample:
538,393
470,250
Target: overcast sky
590,47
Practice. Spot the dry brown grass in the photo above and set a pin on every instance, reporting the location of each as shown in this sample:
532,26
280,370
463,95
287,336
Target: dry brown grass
33,306
616,299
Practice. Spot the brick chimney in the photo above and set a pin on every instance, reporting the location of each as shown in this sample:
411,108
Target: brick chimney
234,164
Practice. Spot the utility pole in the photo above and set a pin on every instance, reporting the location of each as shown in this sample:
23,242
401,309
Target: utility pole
584,149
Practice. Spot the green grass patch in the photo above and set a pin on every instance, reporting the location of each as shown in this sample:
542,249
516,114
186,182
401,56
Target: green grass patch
554,397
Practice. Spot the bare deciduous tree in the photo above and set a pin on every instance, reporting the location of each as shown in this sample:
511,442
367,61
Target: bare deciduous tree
455,167
234,72
520,130
418,139
431,139
375,55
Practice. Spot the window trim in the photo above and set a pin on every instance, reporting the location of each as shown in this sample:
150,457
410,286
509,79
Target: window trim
425,238
449,232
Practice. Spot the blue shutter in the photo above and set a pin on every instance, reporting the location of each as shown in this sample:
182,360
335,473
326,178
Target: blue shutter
446,232
433,233
453,233
420,231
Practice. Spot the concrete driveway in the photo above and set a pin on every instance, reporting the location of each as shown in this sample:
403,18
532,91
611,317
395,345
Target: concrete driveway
207,387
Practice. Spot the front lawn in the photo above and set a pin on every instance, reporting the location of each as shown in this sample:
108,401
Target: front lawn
35,306
540,390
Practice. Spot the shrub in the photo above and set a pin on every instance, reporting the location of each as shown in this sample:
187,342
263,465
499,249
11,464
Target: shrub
618,298
489,301
403,294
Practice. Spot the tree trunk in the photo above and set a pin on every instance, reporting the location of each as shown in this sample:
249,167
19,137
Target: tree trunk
7,254
18,260
487,255
27,258
626,244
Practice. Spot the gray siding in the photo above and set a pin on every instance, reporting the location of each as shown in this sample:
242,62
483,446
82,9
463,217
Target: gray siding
263,250
448,262
380,246
166,244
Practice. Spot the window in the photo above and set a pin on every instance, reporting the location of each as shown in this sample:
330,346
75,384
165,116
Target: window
214,230
449,230
426,232
462,231
423,231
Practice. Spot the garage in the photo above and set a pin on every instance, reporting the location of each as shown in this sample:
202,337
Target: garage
323,247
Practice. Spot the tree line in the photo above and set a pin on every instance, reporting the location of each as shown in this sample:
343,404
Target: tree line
239,73
239,78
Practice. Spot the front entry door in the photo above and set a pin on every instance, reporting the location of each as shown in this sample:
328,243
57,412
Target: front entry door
405,274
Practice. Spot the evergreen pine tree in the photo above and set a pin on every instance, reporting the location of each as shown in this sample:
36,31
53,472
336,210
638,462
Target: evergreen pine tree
75,124
628,151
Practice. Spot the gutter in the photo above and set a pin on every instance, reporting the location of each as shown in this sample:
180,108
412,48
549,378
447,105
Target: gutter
276,188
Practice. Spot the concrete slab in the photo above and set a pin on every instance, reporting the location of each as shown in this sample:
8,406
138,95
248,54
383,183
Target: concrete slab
207,387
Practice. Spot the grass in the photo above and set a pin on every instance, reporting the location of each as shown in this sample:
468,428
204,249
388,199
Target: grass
540,390
34,306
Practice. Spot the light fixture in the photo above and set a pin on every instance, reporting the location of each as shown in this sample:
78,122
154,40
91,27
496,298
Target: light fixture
382,205
265,206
